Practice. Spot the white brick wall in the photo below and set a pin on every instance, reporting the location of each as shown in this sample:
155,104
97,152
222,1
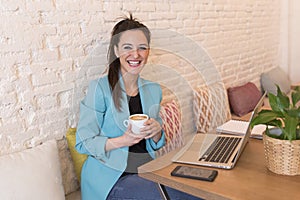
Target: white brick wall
47,49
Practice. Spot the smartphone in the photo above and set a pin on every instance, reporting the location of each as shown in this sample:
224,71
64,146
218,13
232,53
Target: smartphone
195,173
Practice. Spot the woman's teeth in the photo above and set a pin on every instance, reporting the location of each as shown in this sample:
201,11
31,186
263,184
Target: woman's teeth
134,62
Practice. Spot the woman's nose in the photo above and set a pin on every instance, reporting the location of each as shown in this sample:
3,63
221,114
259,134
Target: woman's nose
135,53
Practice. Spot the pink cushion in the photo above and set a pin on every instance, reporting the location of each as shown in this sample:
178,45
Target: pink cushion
243,99
171,117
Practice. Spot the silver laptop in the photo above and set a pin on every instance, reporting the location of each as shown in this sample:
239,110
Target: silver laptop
216,149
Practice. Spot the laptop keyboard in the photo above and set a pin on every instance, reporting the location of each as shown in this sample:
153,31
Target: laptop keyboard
221,149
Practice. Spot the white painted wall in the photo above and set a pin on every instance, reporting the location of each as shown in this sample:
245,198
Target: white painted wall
289,48
284,36
45,45
294,40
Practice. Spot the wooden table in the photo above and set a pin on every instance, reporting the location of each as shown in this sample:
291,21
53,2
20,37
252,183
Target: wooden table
249,179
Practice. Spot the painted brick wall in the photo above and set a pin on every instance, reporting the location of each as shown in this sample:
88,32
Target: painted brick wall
49,50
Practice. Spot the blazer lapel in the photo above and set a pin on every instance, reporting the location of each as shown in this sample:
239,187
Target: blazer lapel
123,114
145,96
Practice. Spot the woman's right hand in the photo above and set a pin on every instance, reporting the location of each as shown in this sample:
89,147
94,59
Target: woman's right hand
127,139
130,138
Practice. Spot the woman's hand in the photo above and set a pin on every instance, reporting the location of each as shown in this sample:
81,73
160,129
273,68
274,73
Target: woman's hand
127,139
152,130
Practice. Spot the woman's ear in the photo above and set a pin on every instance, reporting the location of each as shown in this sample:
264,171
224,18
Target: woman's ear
116,51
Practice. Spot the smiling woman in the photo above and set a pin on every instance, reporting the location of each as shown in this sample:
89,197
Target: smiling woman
128,52
114,152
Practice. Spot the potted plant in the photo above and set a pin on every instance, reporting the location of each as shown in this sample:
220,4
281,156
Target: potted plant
282,141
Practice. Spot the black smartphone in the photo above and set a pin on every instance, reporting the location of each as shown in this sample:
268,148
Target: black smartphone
195,173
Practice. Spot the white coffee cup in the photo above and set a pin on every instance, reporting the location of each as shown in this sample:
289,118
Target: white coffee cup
137,122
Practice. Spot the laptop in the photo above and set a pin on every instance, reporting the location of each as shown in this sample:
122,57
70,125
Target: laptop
217,149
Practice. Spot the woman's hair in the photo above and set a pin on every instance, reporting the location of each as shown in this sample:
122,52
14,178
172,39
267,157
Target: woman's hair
128,23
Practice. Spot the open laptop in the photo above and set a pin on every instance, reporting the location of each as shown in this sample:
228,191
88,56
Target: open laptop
216,149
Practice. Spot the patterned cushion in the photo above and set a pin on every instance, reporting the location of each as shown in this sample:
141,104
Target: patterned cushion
171,117
211,107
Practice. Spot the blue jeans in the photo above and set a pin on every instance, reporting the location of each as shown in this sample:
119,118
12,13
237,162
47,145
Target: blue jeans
133,187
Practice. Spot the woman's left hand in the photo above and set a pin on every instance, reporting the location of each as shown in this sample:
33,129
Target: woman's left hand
152,129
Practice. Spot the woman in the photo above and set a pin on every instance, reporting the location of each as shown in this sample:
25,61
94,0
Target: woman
114,151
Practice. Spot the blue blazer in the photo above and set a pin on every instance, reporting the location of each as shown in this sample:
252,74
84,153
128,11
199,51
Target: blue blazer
100,120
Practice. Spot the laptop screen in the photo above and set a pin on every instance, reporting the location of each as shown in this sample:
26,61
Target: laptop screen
248,132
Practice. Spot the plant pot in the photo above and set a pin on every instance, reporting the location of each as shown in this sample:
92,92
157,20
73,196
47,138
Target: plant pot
282,156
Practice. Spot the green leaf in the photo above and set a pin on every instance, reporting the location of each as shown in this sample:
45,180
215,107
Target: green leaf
293,112
290,128
279,102
264,117
295,97
275,122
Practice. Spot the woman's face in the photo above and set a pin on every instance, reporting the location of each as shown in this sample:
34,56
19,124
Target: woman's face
133,51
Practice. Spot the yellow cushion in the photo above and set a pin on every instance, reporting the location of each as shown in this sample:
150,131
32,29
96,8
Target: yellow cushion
78,159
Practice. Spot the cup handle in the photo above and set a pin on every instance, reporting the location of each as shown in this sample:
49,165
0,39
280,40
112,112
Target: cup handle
126,123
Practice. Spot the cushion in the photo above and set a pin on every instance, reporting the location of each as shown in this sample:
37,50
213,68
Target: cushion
78,159
74,195
210,106
171,118
32,174
243,99
276,76
70,181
